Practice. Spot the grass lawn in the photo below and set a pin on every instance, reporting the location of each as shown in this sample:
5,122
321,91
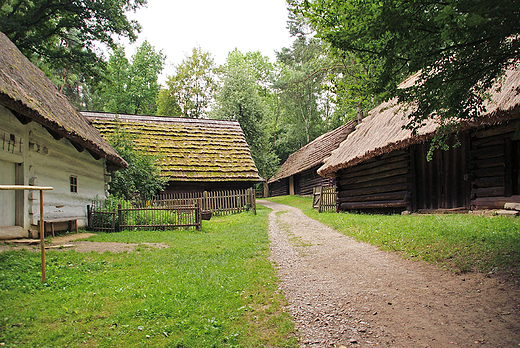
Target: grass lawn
458,242
210,288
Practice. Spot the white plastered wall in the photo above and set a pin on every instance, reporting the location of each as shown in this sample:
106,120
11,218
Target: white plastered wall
44,161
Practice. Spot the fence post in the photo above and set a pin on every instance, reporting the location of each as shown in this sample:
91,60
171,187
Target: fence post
119,217
89,217
253,199
321,199
198,214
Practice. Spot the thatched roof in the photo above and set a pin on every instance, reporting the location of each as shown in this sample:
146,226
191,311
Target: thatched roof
314,153
382,131
26,91
189,149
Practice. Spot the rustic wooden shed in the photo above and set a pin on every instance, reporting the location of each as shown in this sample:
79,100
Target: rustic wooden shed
382,167
195,154
298,174
45,141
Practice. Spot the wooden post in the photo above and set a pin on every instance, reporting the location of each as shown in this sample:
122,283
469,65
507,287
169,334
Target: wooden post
119,217
321,199
42,236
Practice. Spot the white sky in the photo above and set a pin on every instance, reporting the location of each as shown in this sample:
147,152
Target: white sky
217,26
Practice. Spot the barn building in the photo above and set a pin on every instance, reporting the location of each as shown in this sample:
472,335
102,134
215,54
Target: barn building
298,174
195,154
45,141
383,167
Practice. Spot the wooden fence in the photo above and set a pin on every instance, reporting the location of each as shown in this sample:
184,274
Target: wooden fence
170,210
324,198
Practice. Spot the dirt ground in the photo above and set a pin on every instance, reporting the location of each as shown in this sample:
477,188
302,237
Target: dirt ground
70,241
345,293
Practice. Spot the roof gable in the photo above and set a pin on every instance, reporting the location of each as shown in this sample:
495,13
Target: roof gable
314,153
189,149
382,131
26,91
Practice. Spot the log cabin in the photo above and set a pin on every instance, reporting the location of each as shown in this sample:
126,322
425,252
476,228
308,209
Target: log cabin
382,167
45,141
196,155
299,173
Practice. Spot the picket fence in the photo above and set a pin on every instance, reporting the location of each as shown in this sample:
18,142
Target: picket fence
324,198
169,210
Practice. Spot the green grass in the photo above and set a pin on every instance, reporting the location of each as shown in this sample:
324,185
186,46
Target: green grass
210,288
458,242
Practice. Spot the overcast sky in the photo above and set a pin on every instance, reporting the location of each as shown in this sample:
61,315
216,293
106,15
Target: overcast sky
217,26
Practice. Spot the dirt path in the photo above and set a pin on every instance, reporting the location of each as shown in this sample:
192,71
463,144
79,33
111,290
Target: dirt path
346,293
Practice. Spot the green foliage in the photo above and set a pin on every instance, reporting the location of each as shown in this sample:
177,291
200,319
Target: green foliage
142,177
458,242
191,89
64,34
242,98
216,288
460,47
132,87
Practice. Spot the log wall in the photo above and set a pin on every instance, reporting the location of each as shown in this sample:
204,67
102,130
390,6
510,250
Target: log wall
310,179
380,184
494,174
279,188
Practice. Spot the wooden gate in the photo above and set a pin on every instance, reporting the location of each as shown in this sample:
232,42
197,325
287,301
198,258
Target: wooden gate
440,183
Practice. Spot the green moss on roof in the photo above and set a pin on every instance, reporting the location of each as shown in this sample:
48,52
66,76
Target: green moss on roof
203,150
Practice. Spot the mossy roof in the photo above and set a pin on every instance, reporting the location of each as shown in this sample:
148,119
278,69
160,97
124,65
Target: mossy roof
189,149
26,91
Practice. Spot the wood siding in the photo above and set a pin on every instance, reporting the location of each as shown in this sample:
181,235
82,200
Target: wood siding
381,184
495,166
310,179
279,188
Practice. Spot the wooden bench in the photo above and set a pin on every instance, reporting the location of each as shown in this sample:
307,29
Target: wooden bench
71,220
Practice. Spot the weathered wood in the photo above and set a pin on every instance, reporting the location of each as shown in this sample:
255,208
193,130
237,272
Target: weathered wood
399,195
489,191
403,163
377,176
496,130
491,171
498,161
491,181
493,202
488,152
376,162
373,205
380,182
373,189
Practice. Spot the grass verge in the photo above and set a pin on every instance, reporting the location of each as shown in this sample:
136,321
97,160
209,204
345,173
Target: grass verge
458,242
210,288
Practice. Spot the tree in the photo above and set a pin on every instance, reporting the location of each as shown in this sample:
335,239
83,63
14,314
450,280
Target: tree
241,99
459,47
65,33
132,87
142,177
191,88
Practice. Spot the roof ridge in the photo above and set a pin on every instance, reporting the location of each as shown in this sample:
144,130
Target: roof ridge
155,119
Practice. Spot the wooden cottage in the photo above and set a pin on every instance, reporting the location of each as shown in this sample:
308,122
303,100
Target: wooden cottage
45,141
195,154
298,174
381,166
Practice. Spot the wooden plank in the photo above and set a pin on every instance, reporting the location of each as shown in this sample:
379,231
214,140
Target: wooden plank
373,189
389,196
372,205
377,176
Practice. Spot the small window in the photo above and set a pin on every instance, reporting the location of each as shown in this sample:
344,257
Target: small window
74,184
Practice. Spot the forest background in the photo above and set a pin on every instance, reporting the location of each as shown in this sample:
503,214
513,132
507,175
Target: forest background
346,57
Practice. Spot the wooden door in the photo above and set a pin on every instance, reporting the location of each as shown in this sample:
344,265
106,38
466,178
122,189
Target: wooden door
439,183
7,198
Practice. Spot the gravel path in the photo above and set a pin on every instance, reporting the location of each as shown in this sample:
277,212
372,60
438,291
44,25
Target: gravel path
345,293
